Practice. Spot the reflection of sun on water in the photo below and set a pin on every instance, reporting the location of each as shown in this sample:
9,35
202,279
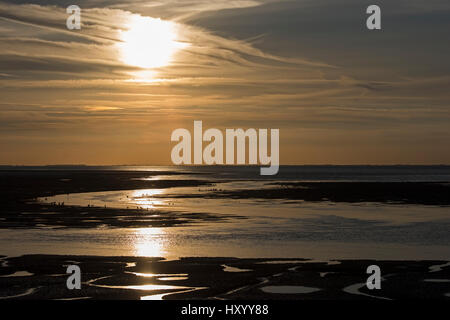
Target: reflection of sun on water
149,242
149,43
143,198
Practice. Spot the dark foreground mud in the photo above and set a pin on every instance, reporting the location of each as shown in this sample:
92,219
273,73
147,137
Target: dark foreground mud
44,277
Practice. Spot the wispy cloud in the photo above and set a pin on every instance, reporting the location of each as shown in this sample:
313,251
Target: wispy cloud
307,67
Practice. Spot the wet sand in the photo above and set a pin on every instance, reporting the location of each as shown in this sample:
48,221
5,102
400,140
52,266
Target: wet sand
209,278
20,209
19,191
424,193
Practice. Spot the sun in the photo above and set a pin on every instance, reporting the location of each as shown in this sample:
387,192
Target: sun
149,42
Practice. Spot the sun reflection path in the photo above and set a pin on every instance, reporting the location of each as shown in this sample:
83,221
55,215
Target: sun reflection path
144,199
150,242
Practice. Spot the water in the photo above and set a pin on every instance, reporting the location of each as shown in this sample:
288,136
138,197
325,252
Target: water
261,228
286,173
289,289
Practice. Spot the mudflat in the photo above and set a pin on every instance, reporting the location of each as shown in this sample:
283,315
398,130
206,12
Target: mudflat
44,277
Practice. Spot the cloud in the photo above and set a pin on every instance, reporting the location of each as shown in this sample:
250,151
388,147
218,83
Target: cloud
54,47
307,67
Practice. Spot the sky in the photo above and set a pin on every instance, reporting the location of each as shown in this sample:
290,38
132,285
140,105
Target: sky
113,92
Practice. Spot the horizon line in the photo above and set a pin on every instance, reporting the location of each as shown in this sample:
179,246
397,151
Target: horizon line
221,165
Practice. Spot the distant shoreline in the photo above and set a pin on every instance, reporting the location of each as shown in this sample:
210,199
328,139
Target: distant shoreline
119,167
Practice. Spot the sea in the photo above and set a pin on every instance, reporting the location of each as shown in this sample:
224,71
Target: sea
262,228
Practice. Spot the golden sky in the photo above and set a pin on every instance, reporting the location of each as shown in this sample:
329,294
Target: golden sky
112,92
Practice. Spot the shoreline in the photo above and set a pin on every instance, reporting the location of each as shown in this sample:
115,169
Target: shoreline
19,193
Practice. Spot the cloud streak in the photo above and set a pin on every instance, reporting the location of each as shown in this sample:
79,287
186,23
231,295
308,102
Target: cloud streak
244,63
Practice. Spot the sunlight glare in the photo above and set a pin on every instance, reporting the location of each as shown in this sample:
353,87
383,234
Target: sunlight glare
149,242
144,199
149,42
